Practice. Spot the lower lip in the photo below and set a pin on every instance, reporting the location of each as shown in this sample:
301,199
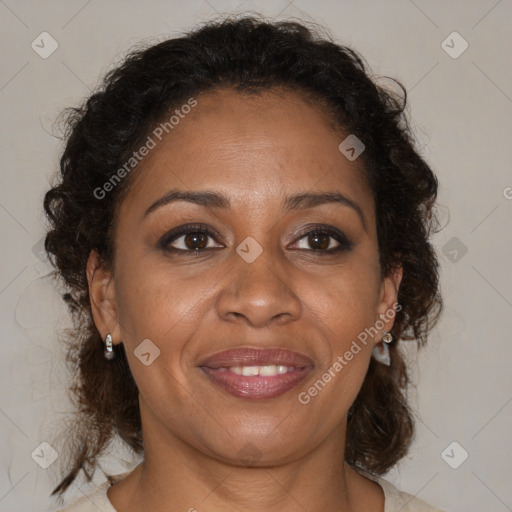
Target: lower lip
256,386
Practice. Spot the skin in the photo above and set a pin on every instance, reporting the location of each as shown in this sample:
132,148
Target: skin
256,150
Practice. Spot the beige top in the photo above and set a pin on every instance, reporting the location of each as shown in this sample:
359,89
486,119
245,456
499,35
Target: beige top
395,500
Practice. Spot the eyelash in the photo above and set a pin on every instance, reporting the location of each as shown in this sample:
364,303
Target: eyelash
344,243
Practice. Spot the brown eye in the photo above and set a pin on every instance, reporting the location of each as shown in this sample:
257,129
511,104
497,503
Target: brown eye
319,241
196,240
191,239
325,240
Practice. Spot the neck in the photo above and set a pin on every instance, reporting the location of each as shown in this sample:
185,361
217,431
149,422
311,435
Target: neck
177,476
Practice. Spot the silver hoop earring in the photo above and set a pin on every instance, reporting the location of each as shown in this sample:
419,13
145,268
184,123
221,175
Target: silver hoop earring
109,351
381,351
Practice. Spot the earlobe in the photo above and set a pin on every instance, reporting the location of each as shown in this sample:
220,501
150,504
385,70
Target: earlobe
102,296
389,297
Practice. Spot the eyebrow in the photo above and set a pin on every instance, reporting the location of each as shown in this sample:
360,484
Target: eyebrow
211,199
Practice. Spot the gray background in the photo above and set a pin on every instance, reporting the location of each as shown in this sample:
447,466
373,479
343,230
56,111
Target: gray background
461,110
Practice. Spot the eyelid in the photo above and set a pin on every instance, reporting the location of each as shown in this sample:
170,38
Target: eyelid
344,242
178,232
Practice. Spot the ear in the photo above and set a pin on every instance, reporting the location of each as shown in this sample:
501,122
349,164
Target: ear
388,300
103,298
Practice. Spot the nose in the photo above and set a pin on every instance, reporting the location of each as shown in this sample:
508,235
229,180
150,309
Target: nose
258,293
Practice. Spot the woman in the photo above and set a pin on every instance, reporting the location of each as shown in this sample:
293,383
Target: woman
244,227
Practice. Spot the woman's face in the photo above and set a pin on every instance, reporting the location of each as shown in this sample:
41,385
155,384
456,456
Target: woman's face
256,151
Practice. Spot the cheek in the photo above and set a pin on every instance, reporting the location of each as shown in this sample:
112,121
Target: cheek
158,316
351,309
157,303
345,306
349,315
349,297
152,304
344,312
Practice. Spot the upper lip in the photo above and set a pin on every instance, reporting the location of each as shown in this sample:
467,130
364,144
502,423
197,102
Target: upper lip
256,357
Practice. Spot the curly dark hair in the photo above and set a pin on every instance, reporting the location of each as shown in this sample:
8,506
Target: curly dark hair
249,55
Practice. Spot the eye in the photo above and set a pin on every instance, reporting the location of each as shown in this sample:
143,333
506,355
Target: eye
195,238
326,240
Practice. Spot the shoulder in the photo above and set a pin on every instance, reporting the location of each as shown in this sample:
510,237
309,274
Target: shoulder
98,499
396,500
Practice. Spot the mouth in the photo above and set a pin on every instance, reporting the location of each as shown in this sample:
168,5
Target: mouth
257,373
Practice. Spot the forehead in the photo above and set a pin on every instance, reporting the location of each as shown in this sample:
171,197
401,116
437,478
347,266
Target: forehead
253,148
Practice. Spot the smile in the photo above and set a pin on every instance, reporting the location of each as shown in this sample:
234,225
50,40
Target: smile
257,382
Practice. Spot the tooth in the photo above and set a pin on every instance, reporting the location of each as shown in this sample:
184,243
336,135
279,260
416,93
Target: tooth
268,371
250,371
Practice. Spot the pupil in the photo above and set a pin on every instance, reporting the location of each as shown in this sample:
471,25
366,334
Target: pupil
195,238
314,239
